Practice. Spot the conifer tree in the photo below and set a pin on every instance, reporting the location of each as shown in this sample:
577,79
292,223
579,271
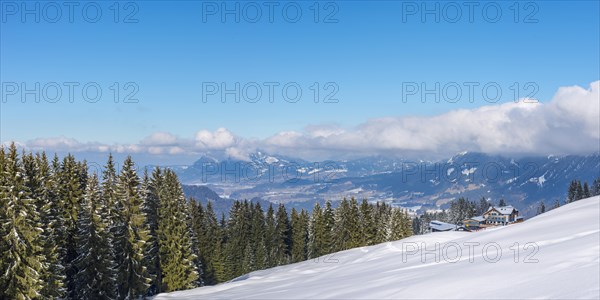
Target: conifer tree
130,235
218,259
299,235
70,193
4,189
341,227
235,244
556,204
367,220
283,235
49,208
483,206
586,190
461,209
328,221
572,192
109,193
193,222
397,230
541,208
96,278
177,261
22,244
316,233
271,237
407,225
248,260
209,239
293,226
257,239
595,190
502,202
353,223
383,214
579,191
151,188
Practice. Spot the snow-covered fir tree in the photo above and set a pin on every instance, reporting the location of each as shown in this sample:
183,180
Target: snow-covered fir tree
177,260
22,260
96,278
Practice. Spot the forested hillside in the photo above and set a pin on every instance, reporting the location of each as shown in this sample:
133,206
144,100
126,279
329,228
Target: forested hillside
68,233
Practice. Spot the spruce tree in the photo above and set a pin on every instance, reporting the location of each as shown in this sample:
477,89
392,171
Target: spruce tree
299,235
328,221
96,278
194,221
271,237
209,240
177,261
283,237
579,191
22,244
4,189
572,192
342,238
483,206
595,190
70,189
218,258
316,233
130,235
407,225
257,238
586,190
354,226
382,215
151,188
542,208
367,222
396,226
235,244
49,208
556,204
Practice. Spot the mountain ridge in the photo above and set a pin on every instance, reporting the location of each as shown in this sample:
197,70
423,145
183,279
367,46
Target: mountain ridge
421,184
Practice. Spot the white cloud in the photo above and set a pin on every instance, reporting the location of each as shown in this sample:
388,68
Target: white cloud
568,124
160,139
55,143
220,139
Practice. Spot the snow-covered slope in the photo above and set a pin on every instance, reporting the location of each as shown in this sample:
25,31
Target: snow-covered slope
567,240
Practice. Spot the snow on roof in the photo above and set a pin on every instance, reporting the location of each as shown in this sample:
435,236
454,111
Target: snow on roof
441,226
478,218
505,210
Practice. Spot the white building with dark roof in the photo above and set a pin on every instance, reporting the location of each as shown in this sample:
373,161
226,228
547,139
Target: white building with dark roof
501,215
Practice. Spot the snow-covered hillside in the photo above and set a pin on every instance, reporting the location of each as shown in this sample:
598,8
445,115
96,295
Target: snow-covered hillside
562,261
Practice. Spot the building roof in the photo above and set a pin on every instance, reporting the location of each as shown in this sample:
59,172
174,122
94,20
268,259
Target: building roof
478,218
441,226
505,210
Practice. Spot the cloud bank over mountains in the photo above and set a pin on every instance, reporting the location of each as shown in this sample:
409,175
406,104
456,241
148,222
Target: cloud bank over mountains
568,124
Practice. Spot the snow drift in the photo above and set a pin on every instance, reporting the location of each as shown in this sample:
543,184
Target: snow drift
554,255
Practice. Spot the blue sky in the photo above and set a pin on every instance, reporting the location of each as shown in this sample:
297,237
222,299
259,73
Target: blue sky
368,54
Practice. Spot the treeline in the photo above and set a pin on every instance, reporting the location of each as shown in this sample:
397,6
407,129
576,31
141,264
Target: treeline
576,191
252,239
69,234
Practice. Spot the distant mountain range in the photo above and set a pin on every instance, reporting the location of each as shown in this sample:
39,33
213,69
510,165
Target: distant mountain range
418,185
